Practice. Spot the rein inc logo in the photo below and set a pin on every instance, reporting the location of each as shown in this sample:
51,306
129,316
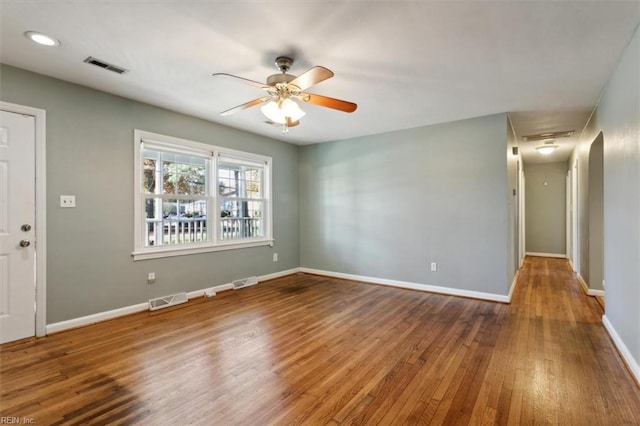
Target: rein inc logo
6,420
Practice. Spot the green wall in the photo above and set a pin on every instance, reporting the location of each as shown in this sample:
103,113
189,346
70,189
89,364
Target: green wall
90,155
387,205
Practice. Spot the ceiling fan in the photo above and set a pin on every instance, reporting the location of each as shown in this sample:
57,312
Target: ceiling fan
283,90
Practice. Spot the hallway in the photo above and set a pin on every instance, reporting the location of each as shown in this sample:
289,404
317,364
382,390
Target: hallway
557,358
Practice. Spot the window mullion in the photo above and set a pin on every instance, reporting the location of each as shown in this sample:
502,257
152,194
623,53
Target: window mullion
158,234
214,203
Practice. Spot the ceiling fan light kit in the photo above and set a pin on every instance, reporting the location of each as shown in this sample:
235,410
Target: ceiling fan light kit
282,110
283,90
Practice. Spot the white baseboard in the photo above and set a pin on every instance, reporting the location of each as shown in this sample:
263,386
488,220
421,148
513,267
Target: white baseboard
556,255
413,286
589,291
94,318
214,289
513,285
140,307
278,274
583,284
622,349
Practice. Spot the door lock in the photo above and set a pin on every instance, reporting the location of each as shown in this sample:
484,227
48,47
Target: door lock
25,243
26,227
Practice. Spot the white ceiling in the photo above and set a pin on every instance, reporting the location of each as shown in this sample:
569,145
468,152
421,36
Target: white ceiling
405,63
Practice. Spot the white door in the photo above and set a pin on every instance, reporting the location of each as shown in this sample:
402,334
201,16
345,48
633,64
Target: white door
17,226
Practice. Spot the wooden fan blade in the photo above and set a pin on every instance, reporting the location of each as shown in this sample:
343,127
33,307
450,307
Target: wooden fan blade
246,105
312,76
328,102
243,80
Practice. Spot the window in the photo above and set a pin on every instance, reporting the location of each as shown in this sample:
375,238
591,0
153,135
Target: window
192,197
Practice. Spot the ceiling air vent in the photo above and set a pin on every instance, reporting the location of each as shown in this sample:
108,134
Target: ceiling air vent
546,136
102,64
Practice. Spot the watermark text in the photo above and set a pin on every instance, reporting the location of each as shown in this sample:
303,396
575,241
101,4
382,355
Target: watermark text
7,420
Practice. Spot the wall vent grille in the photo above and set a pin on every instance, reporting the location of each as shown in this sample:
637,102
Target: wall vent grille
245,282
107,66
166,301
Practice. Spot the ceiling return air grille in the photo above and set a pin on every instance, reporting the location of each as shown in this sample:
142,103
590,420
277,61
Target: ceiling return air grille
107,66
548,136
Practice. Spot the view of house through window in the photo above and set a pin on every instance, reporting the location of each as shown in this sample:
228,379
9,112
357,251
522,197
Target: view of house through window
175,197
241,200
202,197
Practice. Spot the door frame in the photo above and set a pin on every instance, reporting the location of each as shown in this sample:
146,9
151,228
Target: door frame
572,228
575,243
522,217
41,209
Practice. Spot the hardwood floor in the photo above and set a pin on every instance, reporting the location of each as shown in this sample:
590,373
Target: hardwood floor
313,350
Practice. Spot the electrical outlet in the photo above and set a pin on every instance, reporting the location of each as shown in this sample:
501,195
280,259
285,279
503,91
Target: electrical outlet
67,201
151,277
434,266
275,257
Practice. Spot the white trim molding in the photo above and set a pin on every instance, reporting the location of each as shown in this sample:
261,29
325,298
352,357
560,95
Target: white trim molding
278,274
94,318
583,284
412,286
622,349
589,291
40,117
554,255
212,157
514,282
141,307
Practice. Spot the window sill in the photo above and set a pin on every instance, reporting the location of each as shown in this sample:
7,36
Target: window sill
157,253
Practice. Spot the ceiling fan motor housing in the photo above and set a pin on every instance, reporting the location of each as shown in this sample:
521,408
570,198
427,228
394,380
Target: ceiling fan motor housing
284,63
274,79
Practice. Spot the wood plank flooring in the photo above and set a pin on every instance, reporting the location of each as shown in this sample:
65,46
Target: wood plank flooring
313,350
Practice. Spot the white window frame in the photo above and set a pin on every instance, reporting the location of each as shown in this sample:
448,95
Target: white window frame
214,243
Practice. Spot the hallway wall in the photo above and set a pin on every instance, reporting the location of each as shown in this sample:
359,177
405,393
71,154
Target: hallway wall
618,117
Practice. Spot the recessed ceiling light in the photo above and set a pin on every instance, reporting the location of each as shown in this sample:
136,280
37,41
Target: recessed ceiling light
42,39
